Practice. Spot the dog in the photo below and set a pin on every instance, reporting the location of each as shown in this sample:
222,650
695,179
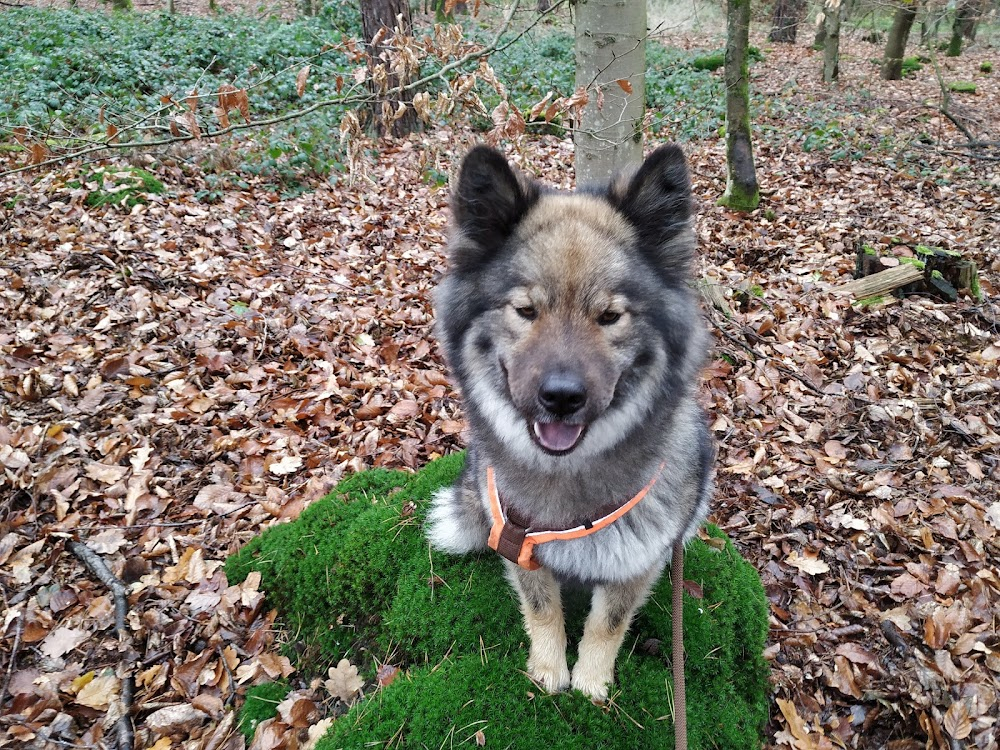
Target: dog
569,325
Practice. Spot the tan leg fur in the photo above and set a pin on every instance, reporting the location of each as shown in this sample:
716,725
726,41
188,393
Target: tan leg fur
610,614
541,605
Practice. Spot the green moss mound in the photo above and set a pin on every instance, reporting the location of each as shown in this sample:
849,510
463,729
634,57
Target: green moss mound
911,65
715,60
260,705
125,186
354,577
962,87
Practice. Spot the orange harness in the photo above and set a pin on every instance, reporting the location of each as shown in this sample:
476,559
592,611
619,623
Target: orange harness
512,539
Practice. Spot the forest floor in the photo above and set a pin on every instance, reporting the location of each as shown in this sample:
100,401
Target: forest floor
178,375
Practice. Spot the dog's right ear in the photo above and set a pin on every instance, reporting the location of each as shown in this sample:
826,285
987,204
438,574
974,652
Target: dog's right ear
490,199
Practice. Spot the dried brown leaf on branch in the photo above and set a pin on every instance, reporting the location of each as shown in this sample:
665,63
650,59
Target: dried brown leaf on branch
300,80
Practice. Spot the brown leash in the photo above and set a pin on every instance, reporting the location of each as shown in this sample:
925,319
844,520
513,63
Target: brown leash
680,701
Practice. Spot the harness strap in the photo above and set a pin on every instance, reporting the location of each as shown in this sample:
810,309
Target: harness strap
512,538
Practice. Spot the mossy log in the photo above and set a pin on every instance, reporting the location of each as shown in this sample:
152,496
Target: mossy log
353,577
942,273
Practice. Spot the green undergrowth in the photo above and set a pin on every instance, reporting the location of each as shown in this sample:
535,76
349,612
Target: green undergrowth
62,66
73,73
353,577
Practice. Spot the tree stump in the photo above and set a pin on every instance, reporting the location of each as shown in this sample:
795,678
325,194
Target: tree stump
935,271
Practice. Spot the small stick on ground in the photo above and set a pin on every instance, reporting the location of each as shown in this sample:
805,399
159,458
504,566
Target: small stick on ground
13,656
96,565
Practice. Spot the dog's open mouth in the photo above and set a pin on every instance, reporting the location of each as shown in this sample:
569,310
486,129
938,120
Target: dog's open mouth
557,437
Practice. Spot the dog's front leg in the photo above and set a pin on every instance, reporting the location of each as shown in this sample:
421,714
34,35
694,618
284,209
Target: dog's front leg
611,612
541,605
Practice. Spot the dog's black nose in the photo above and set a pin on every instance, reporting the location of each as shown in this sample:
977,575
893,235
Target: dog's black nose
562,393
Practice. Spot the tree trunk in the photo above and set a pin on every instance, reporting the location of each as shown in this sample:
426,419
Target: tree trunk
742,191
611,66
831,46
785,22
895,45
820,41
377,15
979,10
966,15
929,23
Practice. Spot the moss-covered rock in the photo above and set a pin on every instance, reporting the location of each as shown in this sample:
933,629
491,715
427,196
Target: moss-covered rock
354,577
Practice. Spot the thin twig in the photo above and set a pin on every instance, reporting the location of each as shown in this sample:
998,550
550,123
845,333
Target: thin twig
13,655
96,565
757,354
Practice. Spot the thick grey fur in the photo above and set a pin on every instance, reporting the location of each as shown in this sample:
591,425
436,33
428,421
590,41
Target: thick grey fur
650,416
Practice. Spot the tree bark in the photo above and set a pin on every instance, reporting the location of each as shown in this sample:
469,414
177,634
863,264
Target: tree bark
820,41
785,21
375,16
966,15
611,66
742,191
831,46
895,45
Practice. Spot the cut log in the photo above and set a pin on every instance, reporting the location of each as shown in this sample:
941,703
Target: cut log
883,282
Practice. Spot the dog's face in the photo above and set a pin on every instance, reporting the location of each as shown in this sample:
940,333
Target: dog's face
564,314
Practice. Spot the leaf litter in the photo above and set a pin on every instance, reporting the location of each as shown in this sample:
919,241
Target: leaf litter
178,376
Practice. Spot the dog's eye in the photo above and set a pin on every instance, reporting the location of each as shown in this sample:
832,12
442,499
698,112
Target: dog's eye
609,317
527,312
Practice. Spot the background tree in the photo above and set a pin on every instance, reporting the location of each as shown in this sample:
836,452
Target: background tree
610,67
742,191
895,45
966,15
832,17
378,18
785,21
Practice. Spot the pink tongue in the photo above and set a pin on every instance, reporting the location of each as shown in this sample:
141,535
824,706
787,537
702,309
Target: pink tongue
558,436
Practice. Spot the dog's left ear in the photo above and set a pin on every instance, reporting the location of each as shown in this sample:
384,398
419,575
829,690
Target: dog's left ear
657,200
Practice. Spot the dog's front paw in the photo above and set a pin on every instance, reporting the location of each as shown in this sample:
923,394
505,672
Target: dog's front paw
553,677
592,682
